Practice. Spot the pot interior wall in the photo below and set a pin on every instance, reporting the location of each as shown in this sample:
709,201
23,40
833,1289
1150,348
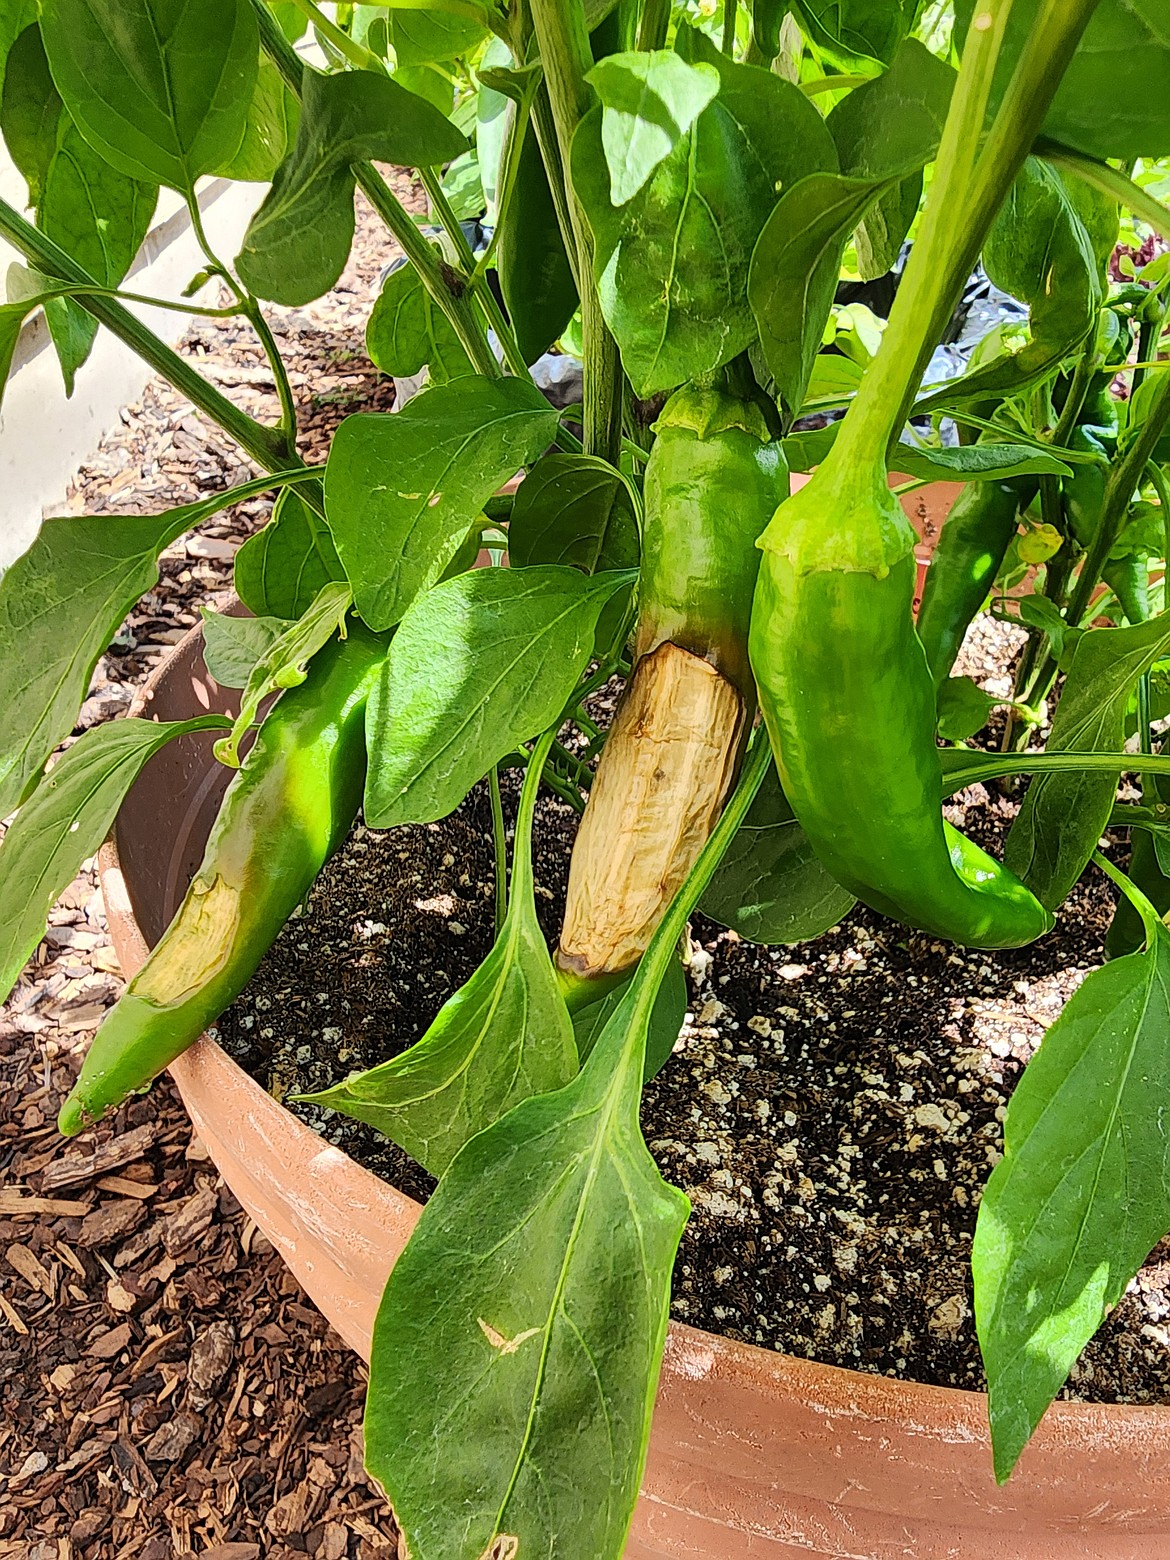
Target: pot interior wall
164,822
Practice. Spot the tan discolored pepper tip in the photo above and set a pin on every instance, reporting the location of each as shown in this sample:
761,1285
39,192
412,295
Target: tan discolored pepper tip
666,771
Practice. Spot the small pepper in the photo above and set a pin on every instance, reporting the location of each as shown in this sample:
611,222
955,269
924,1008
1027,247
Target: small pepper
287,809
849,705
970,553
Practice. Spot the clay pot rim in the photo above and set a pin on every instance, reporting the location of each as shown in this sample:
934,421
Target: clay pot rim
691,1353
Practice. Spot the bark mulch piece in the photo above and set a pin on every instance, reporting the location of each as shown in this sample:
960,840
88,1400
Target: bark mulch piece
166,1390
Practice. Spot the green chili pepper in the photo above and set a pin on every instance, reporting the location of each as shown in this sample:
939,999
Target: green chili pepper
286,810
970,553
713,477
849,704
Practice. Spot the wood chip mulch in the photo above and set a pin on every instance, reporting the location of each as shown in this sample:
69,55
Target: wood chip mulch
166,1390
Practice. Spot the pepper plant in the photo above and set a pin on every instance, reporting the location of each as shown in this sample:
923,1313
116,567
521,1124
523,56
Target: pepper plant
679,192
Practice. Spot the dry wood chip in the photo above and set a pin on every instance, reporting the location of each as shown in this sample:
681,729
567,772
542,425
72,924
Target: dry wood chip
174,1438
111,1221
209,1362
110,1343
334,1542
125,1186
14,1202
74,1169
233,1551
154,1352
30,1268
61,1378
185,1226
96,1446
133,1474
13,1318
292,1512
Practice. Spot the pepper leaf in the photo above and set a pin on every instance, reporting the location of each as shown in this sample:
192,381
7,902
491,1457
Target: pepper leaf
297,244
65,820
1082,1193
535,275
849,33
408,332
402,488
285,662
671,264
666,1020
279,570
60,605
422,36
573,509
522,1328
161,90
1114,98
649,101
479,664
504,1036
1064,814
232,646
770,886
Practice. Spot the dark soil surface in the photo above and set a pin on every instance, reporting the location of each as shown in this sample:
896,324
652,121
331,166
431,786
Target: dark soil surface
832,1109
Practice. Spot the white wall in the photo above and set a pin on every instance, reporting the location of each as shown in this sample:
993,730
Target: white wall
44,437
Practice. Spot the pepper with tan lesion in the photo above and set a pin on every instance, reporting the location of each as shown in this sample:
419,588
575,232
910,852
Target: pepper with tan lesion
713,480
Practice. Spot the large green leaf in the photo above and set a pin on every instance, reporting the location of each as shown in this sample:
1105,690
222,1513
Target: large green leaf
649,101
519,1338
60,605
1064,815
402,488
893,121
1082,1193
479,664
770,886
280,569
1114,98
573,509
160,88
269,130
848,33
297,243
420,36
15,16
98,215
535,275
671,264
65,820
1048,247
504,1036
794,270
407,331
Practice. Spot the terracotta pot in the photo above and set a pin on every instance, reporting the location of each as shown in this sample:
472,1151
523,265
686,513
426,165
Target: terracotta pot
754,1455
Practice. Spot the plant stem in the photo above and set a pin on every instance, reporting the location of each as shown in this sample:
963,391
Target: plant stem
500,844
965,195
441,283
341,41
1111,182
476,277
832,84
522,839
265,445
564,51
730,9
1124,478
653,26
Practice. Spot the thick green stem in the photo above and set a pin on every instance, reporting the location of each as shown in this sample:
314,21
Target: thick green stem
445,288
565,54
653,26
267,446
966,193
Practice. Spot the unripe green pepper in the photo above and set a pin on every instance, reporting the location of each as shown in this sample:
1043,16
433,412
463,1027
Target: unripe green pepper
712,479
849,705
970,553
287,809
